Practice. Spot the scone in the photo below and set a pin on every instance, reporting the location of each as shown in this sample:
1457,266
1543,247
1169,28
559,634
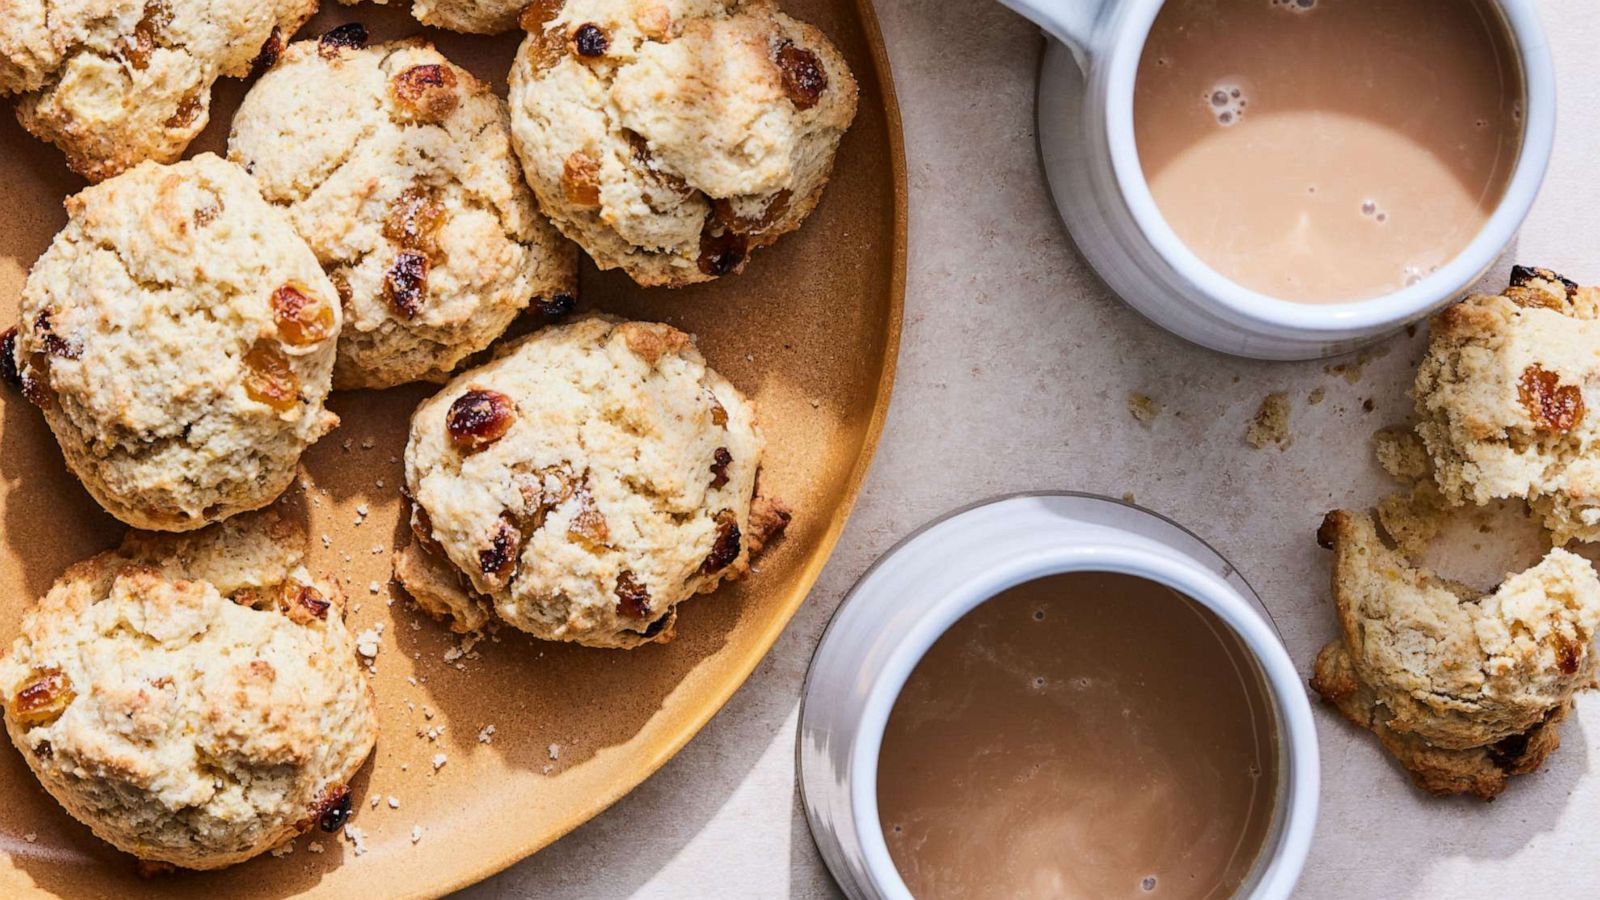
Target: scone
179,337
396,167
116,82
1463,688
470,16
194,700
582,485
670,138
1504,398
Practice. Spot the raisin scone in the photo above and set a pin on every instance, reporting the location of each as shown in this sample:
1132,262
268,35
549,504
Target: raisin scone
1503,400
582,485
179,338
116,82
670,138
396,167
1463,688
195,700
469,16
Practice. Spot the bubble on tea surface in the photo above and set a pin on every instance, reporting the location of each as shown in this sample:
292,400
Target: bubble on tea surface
1148,884
1226,102
1038,682
1038,615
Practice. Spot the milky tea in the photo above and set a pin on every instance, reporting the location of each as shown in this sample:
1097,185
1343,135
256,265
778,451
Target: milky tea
1328,150
1087,735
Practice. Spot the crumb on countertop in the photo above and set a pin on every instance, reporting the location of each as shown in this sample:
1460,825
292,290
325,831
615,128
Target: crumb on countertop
1143,407
1271,423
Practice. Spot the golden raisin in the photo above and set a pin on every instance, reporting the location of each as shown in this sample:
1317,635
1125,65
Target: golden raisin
588,525
302,603
478,418
591,41
414,220
422,529
633,599
719,467
725,548
802,74
540,13
188,110
1554,406
719,413
301,319
351,35
271,49
268,378
723,252
137,48
501,556
405,285
426,92
43,698
580,180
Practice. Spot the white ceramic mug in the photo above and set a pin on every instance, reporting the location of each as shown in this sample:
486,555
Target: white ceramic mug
1086,138
919,589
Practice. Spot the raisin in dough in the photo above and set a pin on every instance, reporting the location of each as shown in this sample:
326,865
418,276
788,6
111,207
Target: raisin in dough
116,82
179,338
194,700
670,138
396,167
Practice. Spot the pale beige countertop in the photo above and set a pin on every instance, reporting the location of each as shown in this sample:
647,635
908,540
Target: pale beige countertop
1014,376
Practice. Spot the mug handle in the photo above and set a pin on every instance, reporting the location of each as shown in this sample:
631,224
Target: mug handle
1071,22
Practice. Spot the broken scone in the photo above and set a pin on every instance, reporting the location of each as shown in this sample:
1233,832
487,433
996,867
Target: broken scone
1463,688
1503,398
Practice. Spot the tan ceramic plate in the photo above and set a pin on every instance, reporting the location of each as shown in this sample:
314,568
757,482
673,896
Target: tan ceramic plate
810,330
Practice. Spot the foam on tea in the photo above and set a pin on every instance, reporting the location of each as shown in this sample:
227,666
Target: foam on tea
1084,735
1327,150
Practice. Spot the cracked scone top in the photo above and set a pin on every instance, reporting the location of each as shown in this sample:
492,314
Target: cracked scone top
1506,397
194,700
585,482
116,82
179,338
670,138
396,167
1464,689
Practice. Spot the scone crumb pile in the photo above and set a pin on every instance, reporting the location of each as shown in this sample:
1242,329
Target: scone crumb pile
1270,427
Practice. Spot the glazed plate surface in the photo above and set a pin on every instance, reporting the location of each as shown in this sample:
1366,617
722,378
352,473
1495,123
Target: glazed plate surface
810,330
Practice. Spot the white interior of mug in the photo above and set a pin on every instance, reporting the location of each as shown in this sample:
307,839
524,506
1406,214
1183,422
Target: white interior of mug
1283,854
1122,51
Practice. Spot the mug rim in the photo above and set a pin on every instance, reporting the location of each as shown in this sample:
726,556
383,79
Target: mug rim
1123,49
1280,864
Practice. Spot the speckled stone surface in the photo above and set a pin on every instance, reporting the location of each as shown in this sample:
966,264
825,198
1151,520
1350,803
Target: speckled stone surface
1014,376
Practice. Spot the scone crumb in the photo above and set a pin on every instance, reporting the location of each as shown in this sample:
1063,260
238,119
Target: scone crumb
394,802
439,760
282,850
486,734
30,837
373,587
1316,396
416,833
555,751
1143,408
357,838
376,800
1271,423
314,847
367,642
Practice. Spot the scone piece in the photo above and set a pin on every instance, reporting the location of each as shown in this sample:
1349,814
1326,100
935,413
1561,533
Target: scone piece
1504,400
584,483
670,138
179,337
194,700
396,167
1462,688
116,82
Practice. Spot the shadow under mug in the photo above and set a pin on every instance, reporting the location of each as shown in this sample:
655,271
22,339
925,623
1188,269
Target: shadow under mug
917,590
1086,142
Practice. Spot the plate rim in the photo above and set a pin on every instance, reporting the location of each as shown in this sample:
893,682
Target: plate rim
677,739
